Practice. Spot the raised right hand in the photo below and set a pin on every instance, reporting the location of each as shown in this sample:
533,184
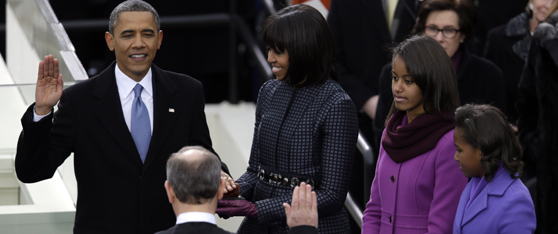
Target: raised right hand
49,86
304,207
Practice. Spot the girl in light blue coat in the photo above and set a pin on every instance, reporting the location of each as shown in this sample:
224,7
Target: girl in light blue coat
494,200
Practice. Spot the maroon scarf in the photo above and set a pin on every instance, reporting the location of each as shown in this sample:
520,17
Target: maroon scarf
418,137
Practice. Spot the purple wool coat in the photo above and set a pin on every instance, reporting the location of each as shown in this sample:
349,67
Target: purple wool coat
503,206
416,196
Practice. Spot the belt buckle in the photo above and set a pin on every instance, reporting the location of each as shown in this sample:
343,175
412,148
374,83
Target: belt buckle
310,182
261,174
278,178
294,182
270,178
285,181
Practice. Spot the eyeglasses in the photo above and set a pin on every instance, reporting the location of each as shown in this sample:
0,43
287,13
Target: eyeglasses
449,33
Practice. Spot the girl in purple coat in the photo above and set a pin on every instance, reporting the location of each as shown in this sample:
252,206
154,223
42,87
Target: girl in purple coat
417,186
495,200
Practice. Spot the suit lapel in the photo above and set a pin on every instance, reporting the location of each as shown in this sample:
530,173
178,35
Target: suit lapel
496,187
378,18
109,112
461,207
164,112
478,205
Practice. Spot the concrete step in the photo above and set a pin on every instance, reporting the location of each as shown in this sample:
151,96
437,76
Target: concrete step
9,186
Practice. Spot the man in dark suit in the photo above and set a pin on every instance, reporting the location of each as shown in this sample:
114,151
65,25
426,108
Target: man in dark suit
121,125
362,32
194,185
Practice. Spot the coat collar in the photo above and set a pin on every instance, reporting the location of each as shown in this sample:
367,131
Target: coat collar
463,66
496,187
109,111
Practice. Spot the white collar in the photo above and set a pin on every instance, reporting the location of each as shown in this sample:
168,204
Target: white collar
126,84
196,217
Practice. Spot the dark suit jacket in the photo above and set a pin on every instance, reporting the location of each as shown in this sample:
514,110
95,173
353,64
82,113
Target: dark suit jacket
116,192
208,228
194,228
361,34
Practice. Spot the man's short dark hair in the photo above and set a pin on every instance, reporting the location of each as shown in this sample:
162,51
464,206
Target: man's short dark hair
132,6
304,33
432,70
194,181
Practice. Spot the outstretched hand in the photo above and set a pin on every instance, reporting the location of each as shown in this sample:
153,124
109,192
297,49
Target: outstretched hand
49,85
231,189
304,209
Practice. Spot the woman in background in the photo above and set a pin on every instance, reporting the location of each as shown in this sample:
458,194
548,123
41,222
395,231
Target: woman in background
537,106
416,188
508,46
451,23
306,128
495,200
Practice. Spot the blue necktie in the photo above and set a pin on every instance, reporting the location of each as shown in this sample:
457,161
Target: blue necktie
141,128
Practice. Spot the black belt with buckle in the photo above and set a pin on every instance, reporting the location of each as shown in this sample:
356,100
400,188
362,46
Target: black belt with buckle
277,178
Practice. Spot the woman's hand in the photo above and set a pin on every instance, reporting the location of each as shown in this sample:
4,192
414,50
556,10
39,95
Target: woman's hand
232,189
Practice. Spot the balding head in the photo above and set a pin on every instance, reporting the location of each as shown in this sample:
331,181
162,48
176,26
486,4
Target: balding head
194,173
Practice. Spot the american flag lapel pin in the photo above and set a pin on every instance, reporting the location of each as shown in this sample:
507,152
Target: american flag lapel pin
171,110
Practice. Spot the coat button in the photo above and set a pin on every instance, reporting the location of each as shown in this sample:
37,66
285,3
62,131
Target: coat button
392,179
389,219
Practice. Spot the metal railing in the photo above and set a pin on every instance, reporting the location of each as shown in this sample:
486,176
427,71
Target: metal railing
369,165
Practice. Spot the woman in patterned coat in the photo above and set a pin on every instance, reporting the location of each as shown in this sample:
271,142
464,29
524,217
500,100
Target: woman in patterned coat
306,129
417,184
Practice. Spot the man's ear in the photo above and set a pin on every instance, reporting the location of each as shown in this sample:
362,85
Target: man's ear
170,192
109,38
160,39
221,188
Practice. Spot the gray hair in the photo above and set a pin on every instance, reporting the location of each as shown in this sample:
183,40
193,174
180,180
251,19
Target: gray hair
194,180
132,6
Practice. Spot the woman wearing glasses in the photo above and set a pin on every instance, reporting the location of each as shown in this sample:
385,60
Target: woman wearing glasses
451,23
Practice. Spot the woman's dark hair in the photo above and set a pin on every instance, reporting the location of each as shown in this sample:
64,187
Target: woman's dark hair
486,128
303,32
463,8
430,67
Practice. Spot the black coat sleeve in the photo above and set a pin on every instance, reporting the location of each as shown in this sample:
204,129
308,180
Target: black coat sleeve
44,145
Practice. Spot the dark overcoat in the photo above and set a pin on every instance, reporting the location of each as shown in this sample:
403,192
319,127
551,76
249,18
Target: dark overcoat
117,193
537,106
507,46
307,133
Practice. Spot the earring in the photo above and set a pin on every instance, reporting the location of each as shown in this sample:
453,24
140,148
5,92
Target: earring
531,6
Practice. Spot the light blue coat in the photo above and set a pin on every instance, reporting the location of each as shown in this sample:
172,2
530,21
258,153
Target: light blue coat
503,206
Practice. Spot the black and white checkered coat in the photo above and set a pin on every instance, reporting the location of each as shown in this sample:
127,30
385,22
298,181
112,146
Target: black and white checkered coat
308,133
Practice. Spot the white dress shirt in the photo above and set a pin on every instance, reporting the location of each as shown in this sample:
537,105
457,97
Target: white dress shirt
195,217
126,86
